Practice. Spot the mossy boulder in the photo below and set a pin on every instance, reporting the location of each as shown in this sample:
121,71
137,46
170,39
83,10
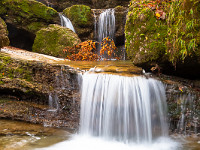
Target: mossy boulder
24,18
29,14
171,42
82,19
145,36
53,39
4,40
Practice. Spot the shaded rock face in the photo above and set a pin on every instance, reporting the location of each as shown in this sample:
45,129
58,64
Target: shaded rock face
25,18
151,41
4,40
29,84
53,39
183,102
82,19
183,98
60,5
120,21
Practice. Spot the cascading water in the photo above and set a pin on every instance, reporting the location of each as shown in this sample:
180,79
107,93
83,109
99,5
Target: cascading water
126,109
106,25
65,22
120,112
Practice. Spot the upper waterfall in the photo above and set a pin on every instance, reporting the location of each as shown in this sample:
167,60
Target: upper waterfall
65,22
106,24
127,109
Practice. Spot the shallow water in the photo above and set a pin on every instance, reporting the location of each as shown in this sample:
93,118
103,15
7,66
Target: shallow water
17,135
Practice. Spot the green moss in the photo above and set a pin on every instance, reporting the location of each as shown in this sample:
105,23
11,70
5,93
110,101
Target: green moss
175,38
35,26
28,9
58,38
8,68
144,35
80,15
29,14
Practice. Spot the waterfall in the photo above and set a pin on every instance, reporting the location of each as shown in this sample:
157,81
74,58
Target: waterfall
120,113
127,109
106,25
65,22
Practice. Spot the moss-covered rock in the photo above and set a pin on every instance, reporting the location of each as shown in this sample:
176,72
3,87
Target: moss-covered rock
4,40
82,19
145,35
25,12
53,39
24,18
172,42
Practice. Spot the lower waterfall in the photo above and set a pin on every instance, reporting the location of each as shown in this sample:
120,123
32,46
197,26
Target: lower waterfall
121,113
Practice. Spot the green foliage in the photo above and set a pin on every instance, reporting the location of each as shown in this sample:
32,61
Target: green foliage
181,39
149,38
145,35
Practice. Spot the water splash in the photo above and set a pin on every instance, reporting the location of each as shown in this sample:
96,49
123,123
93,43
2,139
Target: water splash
65,22
127,109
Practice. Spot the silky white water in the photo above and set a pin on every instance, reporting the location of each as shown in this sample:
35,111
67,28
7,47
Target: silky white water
121,113
65,22
106,25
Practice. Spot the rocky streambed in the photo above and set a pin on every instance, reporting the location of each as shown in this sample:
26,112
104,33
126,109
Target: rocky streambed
43,89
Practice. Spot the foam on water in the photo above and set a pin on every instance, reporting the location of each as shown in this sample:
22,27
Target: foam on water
90,143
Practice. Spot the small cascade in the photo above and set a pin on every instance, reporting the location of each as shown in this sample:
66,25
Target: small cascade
127,109
65,22
106,25
188,119
60,84
53,102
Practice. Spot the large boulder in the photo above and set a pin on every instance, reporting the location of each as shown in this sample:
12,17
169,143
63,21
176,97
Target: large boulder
53,39
82,19
170,43
4,40
24,18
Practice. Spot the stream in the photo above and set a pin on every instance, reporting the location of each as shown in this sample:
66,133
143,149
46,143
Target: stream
17,135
